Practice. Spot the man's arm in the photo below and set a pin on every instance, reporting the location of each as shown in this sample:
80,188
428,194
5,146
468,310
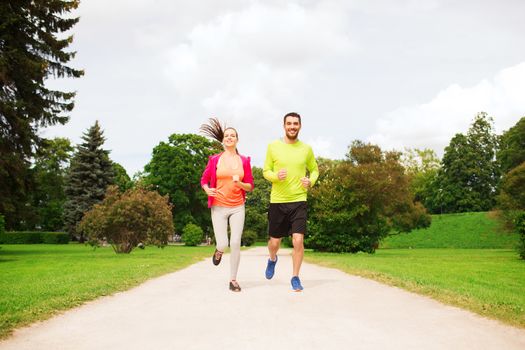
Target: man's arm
268,172
311,165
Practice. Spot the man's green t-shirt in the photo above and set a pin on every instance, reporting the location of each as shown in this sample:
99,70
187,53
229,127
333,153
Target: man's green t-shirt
296,158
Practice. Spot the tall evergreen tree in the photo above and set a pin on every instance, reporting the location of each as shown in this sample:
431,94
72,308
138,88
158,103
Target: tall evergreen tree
469,175
90,173
30,52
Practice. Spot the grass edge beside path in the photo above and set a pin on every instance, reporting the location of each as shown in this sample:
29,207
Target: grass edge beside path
488,282
40,281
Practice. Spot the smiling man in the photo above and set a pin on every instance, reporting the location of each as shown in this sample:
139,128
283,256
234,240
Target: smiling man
286,163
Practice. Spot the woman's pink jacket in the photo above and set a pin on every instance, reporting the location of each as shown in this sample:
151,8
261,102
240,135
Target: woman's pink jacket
209,176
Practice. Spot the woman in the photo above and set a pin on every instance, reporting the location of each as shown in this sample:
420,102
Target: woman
225,180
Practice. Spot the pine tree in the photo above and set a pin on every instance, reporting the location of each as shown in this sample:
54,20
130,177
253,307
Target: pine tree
90,173
30,52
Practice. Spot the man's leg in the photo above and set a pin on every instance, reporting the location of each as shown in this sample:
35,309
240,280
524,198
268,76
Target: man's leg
273,247
298,252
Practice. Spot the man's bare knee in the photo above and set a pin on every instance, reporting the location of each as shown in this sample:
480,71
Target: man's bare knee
298,241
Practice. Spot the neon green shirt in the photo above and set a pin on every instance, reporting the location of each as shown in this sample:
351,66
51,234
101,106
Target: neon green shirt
296,158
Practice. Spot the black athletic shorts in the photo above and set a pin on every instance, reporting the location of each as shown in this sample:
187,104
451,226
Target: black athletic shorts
286,218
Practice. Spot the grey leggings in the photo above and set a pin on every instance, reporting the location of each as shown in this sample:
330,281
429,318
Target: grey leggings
220,217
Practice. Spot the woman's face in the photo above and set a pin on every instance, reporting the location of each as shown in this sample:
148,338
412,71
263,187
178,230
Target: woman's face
230,138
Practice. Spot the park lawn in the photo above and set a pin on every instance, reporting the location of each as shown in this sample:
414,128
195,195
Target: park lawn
490,282
462,230
37,281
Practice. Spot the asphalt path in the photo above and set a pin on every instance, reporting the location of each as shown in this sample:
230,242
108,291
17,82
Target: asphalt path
194,309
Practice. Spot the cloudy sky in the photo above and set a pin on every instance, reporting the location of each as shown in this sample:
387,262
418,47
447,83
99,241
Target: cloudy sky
405,73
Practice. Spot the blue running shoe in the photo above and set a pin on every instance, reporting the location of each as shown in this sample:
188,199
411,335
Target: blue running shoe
296,284
270,268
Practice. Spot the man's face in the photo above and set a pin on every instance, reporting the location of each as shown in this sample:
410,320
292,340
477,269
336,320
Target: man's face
292,125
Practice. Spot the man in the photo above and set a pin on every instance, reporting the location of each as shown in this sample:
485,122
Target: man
285,167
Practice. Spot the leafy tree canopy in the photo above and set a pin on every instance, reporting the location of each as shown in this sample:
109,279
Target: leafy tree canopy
360,200
512,147
175,169
469,174
122,179
49,171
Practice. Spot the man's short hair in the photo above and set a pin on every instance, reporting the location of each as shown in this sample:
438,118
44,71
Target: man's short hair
292,114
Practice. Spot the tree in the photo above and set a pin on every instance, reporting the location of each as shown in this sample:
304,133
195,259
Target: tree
49,171
512,147
422,167
90,173
175,169
512,190
127,219
257,202
511,200
30,52
360,200
469,174
122,179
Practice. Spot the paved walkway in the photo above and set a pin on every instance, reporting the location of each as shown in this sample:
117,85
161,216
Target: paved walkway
193,309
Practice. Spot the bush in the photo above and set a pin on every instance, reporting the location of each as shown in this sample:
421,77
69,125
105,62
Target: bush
55,237
21,237
34,237
512,189
360,200
127,219
520,228
192,235
248,238
287,242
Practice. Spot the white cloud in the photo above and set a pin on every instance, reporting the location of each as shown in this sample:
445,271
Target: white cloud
255,59
432,125
322,147
163,67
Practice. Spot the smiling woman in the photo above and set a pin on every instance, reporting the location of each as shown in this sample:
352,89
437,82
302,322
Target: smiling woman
225,180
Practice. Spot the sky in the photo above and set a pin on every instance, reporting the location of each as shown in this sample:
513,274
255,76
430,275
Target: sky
400,74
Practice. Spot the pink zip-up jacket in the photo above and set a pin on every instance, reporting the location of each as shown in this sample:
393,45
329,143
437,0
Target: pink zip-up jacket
209,176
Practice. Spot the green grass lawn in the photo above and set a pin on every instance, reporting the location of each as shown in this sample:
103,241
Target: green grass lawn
490,282
39,280
465,230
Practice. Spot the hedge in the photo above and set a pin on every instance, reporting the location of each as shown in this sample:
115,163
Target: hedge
32,237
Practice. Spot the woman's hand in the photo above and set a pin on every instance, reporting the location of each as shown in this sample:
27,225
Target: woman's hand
245,186
211,192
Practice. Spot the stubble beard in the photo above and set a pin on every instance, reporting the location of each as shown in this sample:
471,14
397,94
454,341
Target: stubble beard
292,137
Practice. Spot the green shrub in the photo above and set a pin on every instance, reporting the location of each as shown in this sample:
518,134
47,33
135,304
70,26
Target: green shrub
360,200
520,228
248,238
126,219
21,237
287,242
54,237
192,235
